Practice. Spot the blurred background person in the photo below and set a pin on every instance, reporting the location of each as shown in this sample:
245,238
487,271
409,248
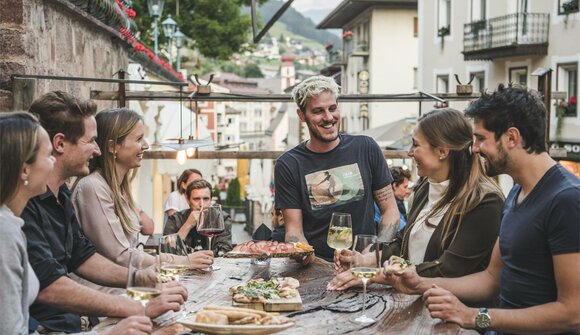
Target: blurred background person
177,200
184,222
401,190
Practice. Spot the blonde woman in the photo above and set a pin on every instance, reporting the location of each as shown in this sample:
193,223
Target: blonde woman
105,206
456,212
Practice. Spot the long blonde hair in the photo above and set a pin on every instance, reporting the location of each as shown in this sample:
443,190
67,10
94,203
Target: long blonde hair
468,183
113,126
18,145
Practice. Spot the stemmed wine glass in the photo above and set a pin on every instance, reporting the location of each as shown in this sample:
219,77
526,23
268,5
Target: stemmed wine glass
340,231
210,224
365,265
142,282
173,244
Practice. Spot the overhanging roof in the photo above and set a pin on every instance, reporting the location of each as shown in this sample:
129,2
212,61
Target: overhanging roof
348,10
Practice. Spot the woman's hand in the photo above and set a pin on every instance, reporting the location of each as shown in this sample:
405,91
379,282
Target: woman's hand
343,259
409,282
342,281
201,259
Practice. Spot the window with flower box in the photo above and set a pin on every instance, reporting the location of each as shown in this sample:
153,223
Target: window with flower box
566,7
567,81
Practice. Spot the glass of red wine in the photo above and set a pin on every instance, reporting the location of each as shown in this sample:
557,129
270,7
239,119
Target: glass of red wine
210,224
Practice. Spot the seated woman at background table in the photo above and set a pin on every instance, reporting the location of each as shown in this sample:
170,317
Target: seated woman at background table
26,162
103,200
177,200
455,216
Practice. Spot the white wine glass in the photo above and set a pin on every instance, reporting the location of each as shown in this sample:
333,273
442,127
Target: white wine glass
142,282
173,244
365,265
211,224
340,231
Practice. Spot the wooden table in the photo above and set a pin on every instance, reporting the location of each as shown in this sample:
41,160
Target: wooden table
324,312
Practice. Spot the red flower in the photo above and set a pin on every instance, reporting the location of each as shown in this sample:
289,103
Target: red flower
131,13
572,101
347,33
328,46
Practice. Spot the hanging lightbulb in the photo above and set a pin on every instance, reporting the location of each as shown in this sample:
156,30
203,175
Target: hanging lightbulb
181,157
405,167
389,162
190,152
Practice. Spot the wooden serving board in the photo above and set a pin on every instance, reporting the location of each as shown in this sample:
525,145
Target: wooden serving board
235,254
274,305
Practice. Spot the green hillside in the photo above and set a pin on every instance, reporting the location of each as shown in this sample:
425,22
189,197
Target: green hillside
279,29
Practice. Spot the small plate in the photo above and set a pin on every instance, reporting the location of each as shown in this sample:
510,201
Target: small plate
233,329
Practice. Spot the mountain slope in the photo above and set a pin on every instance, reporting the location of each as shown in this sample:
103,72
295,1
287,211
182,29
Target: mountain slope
296,23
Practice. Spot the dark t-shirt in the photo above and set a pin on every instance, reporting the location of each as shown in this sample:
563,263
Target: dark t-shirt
341,180
544,224
56,247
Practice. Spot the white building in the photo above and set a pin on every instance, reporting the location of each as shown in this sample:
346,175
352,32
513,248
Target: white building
379,56
501,41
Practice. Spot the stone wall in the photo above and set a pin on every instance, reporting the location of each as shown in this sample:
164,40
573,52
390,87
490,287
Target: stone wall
52,37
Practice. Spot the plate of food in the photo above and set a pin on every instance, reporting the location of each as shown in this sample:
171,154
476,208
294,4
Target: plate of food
226,320
276,294
264,249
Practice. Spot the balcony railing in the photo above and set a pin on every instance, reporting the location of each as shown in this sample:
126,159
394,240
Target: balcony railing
506,36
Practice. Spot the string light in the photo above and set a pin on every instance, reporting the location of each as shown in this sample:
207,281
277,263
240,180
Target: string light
190,152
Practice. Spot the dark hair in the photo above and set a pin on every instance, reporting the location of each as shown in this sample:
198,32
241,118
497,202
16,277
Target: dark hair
513,106
399,175
197,185
60,112
184,176
18,145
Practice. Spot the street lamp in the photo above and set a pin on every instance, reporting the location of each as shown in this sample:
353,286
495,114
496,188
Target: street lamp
179,38
169,25
155,9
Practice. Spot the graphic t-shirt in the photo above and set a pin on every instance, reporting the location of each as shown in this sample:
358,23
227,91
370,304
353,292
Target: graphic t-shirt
341,180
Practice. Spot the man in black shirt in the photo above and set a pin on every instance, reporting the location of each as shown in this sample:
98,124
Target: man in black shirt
56,246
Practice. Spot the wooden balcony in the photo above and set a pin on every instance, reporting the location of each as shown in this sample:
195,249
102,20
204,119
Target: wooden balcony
520,34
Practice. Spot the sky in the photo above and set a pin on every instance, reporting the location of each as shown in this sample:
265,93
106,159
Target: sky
306,5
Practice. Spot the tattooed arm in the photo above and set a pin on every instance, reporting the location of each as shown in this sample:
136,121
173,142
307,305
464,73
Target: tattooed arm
385,199
294,230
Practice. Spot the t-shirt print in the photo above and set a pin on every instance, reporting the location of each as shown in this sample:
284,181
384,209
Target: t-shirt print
335,186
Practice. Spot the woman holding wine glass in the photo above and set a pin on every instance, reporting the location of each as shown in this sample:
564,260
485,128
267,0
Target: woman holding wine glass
26,162
365,266
103,200
454,220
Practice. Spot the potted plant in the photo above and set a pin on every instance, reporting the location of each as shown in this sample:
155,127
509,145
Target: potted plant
564,109
233,197
569,7
442,32
347,35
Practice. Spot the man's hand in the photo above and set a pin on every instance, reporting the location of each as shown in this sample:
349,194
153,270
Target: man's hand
409,282
191,221
443,305
173,294
343,260
146,277
201,259
346,279
133,325
304,260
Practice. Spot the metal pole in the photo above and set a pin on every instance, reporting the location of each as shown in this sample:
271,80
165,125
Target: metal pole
178,58
170,51
155,34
